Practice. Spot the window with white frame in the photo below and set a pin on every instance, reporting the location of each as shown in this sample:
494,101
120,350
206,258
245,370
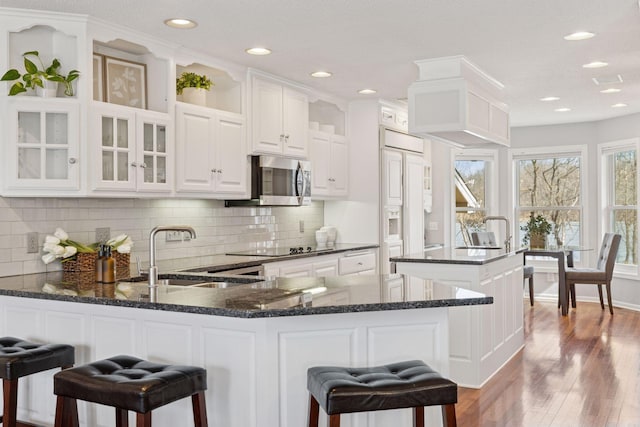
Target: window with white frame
549,183
619,180
472,179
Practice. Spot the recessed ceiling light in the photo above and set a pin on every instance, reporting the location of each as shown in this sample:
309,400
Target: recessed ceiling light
549,98
579,35
595,64
258,51
619,105
321,74
366,91
611,90
181,23
562,110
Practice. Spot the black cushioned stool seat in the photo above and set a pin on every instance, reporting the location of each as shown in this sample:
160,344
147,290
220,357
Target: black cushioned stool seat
129,384
411,384
19,358
527,273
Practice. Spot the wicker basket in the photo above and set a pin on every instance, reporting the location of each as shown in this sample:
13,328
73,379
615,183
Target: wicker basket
82,262
123,266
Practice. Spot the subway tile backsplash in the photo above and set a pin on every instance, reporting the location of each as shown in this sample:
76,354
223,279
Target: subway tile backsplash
219,229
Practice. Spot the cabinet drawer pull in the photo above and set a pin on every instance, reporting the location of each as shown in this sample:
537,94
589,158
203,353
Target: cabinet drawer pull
134,165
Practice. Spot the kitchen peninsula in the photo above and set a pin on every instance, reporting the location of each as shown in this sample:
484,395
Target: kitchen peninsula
256,357
482,339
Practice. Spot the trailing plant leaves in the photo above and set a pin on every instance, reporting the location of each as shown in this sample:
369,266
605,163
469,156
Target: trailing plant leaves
30,66
12,74
17,88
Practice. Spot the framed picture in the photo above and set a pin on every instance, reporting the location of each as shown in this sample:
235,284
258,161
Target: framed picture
125,82
98,78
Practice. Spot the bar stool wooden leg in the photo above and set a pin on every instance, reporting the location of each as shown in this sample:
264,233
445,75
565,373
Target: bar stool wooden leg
199,410
66,412
122,418
314,412
418,416
449,415
10,398
143,420
334,420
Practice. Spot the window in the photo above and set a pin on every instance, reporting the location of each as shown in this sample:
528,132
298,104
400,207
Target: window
471,179
620,198
550,184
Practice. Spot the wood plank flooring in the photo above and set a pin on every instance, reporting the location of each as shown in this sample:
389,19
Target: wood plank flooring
580,370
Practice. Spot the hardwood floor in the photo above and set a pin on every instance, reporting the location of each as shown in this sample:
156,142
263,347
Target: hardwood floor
581,370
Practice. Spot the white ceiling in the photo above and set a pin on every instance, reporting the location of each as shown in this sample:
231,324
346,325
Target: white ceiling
373,43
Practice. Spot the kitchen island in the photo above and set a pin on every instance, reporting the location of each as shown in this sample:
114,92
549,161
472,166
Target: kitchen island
256,353
482,338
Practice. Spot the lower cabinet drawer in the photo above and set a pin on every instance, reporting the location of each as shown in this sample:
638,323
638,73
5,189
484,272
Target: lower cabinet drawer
357,263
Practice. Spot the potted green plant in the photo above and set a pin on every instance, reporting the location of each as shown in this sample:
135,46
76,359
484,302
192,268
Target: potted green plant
38,76
536,231
193,87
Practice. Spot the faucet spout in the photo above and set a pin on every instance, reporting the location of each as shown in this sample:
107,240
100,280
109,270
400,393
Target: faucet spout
153,269
507,233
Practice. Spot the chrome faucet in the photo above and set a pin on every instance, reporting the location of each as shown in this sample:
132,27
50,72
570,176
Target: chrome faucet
507,240
153,269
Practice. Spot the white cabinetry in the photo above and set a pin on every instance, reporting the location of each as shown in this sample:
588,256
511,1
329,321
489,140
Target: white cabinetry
41,152
456,102
350,262
280,119
392,178
329,155
133,149
211,153
482,338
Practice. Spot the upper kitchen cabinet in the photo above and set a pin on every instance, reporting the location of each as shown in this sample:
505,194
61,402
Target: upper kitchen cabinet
131,131
39,131
328,151
456,102
133,150
211,152
280,118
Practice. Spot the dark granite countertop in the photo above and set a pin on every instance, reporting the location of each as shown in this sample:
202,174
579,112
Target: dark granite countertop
453,255
227,262
322,295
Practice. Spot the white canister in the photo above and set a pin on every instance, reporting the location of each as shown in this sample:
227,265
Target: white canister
321,238
332,233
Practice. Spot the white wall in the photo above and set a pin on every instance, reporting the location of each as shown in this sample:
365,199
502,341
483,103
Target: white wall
219,229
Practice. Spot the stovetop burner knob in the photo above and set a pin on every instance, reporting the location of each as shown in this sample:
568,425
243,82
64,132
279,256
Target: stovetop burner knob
308,248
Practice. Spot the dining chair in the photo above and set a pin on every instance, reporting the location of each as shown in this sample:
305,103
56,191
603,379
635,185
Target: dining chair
600,275
483,238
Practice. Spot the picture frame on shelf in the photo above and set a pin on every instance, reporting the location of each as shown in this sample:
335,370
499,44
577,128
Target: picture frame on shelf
125,82
98,77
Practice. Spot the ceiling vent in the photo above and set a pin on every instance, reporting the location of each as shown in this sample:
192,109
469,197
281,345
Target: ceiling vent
607,80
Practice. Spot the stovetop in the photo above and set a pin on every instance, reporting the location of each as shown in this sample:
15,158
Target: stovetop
278,252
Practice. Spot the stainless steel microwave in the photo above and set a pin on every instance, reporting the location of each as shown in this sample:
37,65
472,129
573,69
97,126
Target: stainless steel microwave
278,181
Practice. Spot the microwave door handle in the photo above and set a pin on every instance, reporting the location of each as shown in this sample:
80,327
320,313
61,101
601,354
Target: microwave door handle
300,184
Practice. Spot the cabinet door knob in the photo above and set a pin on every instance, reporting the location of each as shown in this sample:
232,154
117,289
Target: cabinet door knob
219,170
143,165
134,164
214,170
72,160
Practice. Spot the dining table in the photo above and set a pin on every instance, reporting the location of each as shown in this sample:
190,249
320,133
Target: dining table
565,259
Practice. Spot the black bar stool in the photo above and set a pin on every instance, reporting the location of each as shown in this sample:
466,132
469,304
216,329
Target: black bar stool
411,384
129,384
19,358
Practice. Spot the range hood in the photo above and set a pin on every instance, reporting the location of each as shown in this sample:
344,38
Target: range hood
456,102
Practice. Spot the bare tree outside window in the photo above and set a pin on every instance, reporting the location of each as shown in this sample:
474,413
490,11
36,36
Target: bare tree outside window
470,182
623,206
551,187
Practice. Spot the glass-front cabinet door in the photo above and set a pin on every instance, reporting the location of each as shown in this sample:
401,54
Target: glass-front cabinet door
115,141
154,152
42,149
